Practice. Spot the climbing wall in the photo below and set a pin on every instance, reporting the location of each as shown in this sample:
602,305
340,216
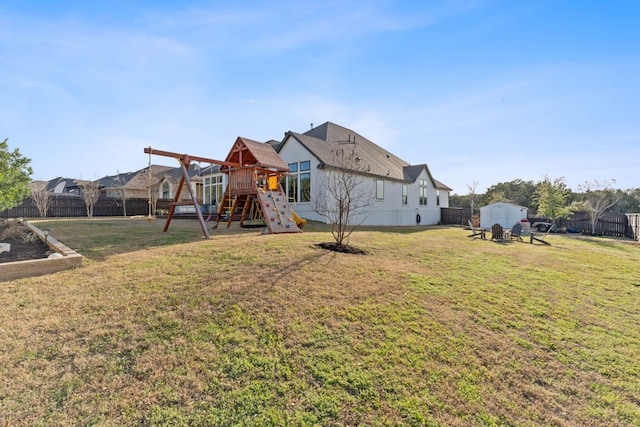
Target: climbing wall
277,212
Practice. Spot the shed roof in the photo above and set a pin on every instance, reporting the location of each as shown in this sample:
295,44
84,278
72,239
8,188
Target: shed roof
504,203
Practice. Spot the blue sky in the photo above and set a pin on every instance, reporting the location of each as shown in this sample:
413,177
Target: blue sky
482,91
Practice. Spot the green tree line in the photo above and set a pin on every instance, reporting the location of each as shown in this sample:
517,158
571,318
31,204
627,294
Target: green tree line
526,193
552,199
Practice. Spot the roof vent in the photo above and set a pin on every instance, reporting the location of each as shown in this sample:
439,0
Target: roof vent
311,125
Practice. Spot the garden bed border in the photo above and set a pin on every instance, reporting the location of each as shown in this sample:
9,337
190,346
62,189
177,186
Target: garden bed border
39,267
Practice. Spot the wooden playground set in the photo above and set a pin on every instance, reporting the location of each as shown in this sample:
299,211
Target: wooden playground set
254,195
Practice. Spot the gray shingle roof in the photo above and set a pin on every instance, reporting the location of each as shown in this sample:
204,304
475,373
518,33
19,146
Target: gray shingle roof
209,170
322,142
63,184
411,173
139,179
441,186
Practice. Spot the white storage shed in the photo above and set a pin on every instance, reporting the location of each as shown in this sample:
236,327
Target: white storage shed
503,213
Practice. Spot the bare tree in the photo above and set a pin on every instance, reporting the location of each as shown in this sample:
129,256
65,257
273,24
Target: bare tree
153,199
346,194
472,194
90,194
40,197
122,193
598,198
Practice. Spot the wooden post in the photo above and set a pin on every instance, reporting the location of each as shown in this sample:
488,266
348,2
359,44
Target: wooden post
185,160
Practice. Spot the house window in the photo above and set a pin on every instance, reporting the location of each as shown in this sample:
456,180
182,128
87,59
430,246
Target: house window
437,197
423,192
379,189
305,186
165,191
297,184
405,194
213,190
292,188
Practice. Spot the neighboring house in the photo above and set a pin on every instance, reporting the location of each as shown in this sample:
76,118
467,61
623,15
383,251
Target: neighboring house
67,186
163,182
214,183
401,193
126,184
503,213
169,180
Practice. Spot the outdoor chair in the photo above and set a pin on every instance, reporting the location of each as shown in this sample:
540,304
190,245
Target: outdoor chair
497,232
532,236
516,232
476,231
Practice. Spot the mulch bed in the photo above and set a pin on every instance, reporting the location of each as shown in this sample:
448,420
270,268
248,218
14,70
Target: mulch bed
346,249
24,246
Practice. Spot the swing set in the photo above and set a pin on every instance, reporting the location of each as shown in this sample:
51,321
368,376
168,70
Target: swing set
253,194
185,161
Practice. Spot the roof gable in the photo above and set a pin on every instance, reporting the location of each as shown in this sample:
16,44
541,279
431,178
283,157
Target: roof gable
412,173
324,140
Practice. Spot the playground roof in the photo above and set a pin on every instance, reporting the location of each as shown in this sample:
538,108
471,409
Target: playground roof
248,152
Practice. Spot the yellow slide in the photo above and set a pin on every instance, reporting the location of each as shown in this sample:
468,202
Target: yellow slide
300,222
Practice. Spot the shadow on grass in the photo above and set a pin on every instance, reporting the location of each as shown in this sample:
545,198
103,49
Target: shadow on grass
99,238
399,229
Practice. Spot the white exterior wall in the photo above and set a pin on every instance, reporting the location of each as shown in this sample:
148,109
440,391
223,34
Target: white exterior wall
444,199
293,152
388,211
505,214
429,213
211,175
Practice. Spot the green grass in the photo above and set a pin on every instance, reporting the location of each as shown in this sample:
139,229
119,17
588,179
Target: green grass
430,328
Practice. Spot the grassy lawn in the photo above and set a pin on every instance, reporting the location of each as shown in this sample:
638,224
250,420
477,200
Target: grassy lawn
430,328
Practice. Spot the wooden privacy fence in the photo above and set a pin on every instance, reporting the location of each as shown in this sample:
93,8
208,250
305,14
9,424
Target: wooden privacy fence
67,206
455,216
611,224
634,225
